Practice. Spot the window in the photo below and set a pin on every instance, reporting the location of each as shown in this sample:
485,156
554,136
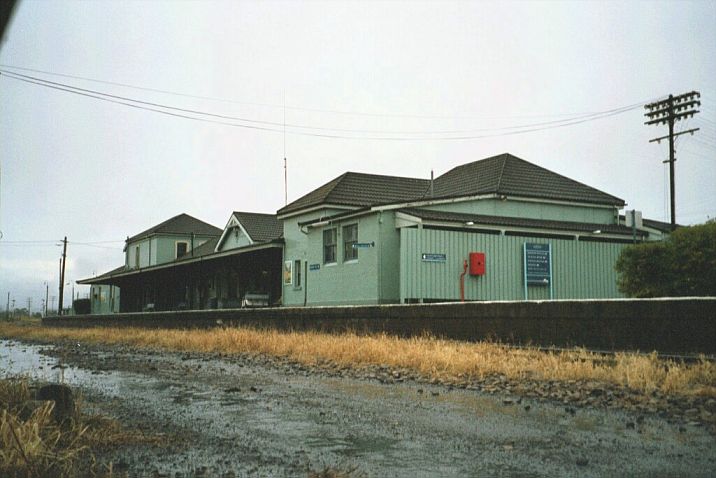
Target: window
181,248
297,274
329,246
350,238
287,273
136,257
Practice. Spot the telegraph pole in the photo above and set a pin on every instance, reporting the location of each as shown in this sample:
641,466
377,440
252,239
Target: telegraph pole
62,274
669,111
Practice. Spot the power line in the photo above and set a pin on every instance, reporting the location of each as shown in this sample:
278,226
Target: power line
58,242
284,125
297,108
70,89
55,241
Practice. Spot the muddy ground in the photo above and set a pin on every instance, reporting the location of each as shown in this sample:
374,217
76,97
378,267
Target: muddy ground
256,416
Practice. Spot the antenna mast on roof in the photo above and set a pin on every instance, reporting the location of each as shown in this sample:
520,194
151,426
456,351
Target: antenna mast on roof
285,170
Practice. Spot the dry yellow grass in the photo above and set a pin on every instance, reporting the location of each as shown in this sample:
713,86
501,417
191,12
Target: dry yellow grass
435,358
34,445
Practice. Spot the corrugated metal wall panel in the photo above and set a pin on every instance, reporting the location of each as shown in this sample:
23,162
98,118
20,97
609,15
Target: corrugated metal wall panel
579,269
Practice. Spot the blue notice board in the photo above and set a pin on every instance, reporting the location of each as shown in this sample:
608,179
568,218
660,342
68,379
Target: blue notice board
538,266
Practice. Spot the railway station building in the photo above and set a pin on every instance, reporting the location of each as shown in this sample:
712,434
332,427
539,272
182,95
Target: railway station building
500,228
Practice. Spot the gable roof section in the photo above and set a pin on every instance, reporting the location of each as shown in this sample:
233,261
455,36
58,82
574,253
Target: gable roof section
360,190
509,175
260,227
181,224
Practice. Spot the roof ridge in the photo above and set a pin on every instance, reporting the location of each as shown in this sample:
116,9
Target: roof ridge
336,182
567,178
256,213
157,226
383,176
505,156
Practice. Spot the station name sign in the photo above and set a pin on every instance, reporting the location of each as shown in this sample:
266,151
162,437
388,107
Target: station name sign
431,257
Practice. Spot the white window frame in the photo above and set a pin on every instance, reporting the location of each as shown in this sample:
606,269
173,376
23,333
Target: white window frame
353,250
333,245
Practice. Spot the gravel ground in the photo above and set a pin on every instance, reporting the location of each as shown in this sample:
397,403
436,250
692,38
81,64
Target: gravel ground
244,416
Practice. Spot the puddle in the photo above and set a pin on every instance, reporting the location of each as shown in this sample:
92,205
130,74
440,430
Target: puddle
354,446
28,360
256,421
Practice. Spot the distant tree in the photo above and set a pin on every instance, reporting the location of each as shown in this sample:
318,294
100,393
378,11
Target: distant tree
682,265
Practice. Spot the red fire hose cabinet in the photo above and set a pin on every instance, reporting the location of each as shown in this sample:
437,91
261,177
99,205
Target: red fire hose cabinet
477,263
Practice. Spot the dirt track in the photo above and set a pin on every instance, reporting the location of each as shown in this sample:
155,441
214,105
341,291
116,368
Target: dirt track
260,417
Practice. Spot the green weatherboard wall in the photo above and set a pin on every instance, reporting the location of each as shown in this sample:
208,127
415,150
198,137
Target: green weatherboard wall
394,271
579,269
372,278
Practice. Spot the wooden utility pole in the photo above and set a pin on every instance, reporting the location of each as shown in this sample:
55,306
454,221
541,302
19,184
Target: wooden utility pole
669,111
62,274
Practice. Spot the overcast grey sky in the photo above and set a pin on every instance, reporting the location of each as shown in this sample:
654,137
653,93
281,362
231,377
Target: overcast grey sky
97,171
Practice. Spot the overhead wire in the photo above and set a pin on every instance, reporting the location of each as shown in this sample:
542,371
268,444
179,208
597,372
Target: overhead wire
347,130
58,242
289,107
155,107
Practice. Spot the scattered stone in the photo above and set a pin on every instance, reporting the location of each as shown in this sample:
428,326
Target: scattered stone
64,401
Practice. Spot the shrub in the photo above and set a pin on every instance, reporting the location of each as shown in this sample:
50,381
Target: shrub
682,265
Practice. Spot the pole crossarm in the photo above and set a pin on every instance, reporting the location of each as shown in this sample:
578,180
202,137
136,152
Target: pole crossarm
658,140
675,99
673,117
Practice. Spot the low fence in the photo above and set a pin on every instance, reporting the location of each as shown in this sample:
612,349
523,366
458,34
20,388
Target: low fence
670,326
